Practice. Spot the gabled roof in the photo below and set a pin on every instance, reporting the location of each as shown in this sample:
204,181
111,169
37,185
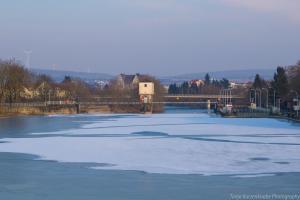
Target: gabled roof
143,78
127,79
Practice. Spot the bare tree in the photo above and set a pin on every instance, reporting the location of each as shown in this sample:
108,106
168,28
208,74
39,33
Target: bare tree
44,85
14,77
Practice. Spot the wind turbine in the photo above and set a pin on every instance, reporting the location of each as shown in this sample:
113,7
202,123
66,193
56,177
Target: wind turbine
28,54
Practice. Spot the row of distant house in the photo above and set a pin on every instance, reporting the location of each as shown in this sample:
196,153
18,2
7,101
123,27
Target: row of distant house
122,80
200,82
130,81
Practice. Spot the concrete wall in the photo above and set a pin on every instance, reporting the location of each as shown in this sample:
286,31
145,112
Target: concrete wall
18,110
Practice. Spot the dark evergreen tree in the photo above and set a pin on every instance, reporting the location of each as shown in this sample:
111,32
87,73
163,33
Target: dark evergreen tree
173,89
185,88
225,83
280,82
207,80
258,82
67,79
215,83
294,77
194,88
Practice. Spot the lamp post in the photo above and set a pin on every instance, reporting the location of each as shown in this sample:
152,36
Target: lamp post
297,109
225,98
229,96
259,97
274,98
49,93
252,100
255,96
267,99
297,98
297,105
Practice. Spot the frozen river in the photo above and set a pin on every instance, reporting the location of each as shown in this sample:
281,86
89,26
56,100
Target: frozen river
180,154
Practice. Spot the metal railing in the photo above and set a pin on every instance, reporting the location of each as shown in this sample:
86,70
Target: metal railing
204,96
65,103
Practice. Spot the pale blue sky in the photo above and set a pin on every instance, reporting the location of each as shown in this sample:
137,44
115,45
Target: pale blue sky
151,36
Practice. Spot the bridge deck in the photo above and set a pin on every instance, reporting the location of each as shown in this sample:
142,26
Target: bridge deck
61,103
204,96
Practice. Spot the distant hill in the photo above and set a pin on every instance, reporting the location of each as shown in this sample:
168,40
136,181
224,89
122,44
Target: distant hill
232,75
59,75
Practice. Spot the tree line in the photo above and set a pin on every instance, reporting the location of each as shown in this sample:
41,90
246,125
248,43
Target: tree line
208,86
284,87
18,84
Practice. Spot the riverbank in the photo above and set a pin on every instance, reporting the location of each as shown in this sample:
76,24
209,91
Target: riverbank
271,117
262,116
67,109
92,109
252,113
287,118
6,111
15,111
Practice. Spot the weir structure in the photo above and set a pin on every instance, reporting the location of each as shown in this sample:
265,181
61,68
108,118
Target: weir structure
145,102
146,93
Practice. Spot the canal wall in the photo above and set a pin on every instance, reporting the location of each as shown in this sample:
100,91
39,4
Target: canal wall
36,110
21,109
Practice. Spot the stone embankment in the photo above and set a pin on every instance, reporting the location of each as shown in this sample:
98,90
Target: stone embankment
6,110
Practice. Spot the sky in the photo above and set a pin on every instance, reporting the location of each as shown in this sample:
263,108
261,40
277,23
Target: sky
159,37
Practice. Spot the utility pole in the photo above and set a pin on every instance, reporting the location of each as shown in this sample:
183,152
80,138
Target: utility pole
230,96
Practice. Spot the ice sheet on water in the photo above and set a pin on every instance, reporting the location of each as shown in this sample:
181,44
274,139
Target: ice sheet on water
160,155
189,144
181,124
